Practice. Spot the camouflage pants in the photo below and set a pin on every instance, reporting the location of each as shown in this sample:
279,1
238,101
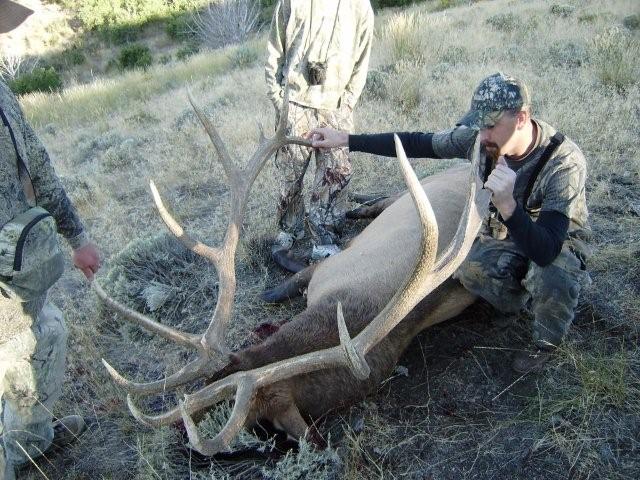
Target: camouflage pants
499,272
327,202
31,374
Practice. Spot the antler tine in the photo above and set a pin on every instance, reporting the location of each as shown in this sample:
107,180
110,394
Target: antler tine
210,253
181,338
357,364
215,393
476,207
225,159
222,441
192,371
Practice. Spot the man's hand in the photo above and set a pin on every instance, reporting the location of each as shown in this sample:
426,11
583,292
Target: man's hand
87,259
326,137
501,183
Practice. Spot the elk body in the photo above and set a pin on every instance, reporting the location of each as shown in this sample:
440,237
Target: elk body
352,332
363,278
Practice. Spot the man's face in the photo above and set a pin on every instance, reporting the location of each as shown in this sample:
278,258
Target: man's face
500,139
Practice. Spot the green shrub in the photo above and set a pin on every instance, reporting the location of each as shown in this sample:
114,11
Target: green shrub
505,22
121,34
632,22
134,56
378,4
177,26
587,18
375,86
74,56
446,4
562,10
404,33
455,55
244,56
42,79
101,14
615,57
568,54
189,49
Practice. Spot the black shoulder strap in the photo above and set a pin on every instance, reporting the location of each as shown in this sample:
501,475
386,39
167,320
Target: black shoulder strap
555,141
23,171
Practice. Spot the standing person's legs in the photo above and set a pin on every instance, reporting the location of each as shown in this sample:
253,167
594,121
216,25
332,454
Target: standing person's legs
328,201
34,362
6,469
292,162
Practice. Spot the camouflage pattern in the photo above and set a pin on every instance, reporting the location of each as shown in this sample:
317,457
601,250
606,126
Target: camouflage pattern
560,186
499,272
33,335
40,259
327,202
31,375
337,33
495,94
50,194
496,269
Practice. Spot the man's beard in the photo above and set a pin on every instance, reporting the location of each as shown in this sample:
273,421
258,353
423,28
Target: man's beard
492,151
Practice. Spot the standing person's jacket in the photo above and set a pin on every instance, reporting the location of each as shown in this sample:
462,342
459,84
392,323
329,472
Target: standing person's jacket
337,32
49,193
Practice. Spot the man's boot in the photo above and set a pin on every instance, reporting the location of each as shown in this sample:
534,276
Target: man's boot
67,430
320,252
527,361
280,253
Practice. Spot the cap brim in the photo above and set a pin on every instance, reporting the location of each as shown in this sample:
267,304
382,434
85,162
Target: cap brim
471,119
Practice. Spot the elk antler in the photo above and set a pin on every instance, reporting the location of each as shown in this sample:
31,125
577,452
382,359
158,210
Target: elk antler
211,347
427,274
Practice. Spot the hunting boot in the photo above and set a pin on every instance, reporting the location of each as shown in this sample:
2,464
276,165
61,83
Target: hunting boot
67,430
527,361
281,255
320,252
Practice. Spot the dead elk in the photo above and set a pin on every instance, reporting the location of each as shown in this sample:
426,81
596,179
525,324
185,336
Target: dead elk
350,336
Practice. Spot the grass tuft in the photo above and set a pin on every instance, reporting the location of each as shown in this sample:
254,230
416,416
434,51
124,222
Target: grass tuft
615,54
404,33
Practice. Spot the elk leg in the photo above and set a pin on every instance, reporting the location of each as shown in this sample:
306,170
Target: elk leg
284,260
447,301
291,288
291,421
372,210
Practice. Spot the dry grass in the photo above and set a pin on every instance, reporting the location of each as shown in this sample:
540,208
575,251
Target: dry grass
109,137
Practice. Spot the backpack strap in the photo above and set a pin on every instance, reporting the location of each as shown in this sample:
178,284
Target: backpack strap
23,171
555,141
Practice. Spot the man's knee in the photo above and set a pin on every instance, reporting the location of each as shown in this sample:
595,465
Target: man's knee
554,291
50,326
560,281
494,271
